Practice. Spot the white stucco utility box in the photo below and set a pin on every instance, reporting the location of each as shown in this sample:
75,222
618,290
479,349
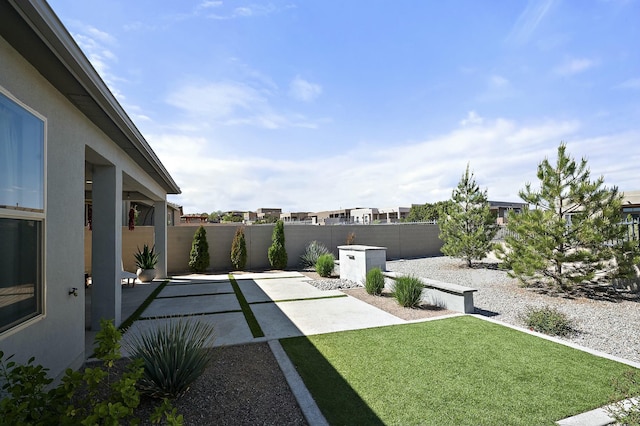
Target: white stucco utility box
357,260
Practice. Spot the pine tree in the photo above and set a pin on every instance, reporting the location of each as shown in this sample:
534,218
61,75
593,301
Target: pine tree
199,255
467,226
239,249
277,253
570,231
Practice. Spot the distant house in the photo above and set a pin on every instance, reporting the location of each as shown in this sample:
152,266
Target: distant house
376,215
331,217
194,218
265,213
65,144
501,209
250,217
294,216
631,204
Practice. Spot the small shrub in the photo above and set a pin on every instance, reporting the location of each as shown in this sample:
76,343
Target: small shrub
408,291
311,254
374,282
277,253
626,405
199,255
239,250
325,265
547,320
173,356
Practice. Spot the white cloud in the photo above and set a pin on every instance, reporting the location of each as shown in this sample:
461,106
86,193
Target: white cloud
503,154
472,119
632,83
303,90
247,11
234,104
497,88
574,66
529,20
209,4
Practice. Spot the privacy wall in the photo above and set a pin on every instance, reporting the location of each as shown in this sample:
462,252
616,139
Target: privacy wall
401,240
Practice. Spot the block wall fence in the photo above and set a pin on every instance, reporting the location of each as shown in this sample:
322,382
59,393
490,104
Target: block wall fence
401,240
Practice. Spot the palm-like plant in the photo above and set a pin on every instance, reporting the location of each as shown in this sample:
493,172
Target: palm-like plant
146,258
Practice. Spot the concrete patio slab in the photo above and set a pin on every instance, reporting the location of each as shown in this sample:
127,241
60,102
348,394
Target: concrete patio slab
197,288
306,317
262,290
191,305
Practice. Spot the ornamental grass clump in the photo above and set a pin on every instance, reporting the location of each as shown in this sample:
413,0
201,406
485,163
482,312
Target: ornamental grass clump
547,320
408,291
374,282
173,355
311,254
325,265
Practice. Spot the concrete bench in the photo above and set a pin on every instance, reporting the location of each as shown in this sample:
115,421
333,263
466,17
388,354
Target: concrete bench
445,295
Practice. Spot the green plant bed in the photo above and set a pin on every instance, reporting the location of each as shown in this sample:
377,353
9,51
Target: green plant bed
456,371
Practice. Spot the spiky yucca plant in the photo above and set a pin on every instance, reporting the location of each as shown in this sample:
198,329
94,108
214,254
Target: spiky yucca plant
311,254
174,355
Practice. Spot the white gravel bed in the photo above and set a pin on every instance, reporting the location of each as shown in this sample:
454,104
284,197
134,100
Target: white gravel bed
604,326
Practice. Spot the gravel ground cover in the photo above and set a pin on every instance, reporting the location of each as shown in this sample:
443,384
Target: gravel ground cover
610,327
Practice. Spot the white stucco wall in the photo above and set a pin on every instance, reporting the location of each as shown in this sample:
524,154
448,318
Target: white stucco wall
57,339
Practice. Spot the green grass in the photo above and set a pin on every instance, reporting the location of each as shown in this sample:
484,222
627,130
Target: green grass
252,322
456,371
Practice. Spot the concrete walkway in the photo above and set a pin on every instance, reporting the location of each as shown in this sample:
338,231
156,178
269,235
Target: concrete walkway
283,303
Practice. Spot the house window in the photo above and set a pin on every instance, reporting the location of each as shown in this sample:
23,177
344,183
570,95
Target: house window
22,212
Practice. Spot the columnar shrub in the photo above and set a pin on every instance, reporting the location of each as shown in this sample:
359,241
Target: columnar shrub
311,254
277,253
547,320
239,250
325,265
173,356
408,291
199,256
374,282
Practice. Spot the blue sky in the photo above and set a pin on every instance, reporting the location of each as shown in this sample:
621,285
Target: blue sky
318,105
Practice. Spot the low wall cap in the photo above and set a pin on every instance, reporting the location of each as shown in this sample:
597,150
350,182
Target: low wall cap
359,247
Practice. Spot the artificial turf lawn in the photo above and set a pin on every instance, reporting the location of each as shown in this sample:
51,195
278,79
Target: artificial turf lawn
456,371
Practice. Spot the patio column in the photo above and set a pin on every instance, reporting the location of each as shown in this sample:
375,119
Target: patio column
160,236
106,245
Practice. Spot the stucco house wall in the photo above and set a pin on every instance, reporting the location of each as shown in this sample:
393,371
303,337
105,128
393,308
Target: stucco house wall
74,142
58,335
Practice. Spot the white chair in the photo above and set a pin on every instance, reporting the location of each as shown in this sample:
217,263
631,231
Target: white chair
129,276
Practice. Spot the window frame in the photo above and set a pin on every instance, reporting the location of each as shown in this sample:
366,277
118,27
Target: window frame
34,215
